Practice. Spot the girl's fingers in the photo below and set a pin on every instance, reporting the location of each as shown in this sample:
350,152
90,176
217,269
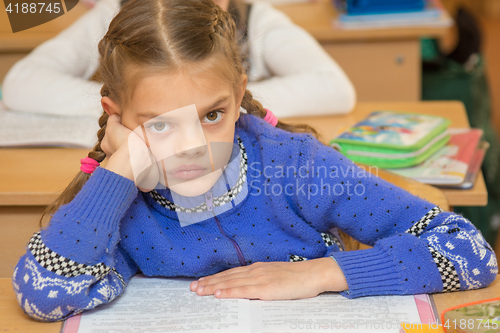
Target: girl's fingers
210,281
232,284
249,292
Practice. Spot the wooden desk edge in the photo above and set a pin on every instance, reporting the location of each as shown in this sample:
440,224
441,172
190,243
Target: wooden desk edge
27,198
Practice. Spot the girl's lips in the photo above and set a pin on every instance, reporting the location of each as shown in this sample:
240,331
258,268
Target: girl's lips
188,172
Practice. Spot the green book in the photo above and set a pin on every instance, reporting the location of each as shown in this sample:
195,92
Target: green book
390,139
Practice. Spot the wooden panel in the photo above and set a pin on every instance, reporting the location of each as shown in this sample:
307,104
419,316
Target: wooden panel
18,224
382,71
35,176
7,60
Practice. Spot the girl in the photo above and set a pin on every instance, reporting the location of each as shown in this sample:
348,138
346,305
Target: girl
259,230
287,68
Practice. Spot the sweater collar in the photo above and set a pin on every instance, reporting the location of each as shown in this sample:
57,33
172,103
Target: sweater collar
229,190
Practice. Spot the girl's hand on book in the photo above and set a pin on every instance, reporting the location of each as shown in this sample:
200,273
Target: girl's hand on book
274,280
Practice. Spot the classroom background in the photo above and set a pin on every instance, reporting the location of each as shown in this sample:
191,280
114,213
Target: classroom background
386,65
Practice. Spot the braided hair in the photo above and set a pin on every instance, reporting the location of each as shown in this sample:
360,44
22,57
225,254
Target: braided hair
150,37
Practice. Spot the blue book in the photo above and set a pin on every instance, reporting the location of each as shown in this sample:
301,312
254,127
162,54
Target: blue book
427,14
367,7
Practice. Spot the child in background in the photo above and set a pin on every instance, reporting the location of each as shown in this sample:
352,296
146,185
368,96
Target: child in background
257,229
287,69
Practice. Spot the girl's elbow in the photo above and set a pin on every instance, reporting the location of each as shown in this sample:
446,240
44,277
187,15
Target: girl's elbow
13,88
346,101
344,94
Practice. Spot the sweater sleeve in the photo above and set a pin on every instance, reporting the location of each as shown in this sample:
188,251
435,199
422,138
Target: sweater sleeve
77,263
301,78
417,247
56,74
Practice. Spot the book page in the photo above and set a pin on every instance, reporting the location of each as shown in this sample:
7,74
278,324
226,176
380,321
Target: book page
331,312
164,305
20,129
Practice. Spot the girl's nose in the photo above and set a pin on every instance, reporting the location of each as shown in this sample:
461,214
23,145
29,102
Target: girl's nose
190,142
191,152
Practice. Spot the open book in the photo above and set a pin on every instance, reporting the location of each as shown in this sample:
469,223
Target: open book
22,129
167,305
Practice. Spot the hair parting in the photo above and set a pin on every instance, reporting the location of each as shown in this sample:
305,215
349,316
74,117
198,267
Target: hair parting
153,37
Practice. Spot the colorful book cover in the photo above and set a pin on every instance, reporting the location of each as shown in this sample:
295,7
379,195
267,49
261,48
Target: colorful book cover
476,317
387,128
450,164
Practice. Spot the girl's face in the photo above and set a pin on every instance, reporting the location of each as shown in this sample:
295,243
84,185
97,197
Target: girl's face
189,124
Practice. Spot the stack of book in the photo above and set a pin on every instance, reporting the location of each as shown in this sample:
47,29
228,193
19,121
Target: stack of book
370,14
417,146
456,165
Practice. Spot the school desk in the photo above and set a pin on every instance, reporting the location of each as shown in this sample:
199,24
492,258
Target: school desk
383,64
13,319
31,178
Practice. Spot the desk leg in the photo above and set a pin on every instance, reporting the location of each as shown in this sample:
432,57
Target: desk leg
17,225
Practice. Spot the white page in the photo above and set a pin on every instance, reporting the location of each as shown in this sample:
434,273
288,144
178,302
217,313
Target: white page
166,305
18,129
332,312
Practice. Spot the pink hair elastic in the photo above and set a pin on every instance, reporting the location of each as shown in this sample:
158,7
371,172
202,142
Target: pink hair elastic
88,164
270,118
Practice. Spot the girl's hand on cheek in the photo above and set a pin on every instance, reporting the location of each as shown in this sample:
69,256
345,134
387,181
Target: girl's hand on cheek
274,280
116,135
128,155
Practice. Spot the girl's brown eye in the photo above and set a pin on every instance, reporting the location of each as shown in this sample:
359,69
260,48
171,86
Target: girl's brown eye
212,116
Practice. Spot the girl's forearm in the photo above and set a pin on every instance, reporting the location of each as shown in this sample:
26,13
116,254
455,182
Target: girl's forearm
330,276
119,163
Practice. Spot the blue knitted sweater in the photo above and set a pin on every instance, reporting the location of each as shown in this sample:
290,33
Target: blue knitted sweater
292,193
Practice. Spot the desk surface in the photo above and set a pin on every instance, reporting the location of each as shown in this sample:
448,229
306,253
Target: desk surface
35,176
315,17
13,318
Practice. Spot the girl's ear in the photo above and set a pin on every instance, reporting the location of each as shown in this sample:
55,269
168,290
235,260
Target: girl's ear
109,106
241,92
243,87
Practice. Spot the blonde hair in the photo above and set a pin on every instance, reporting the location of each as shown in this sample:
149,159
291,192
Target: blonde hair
158,36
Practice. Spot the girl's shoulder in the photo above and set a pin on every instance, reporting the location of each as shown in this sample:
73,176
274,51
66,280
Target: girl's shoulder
254,129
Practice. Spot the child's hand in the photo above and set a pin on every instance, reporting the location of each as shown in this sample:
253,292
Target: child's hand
128,155
274,280
116,135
